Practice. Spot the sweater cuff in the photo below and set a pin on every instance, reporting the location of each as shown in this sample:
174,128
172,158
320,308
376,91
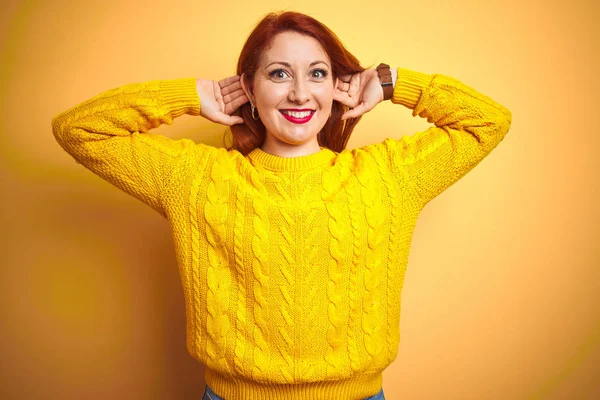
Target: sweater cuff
409,87
180,96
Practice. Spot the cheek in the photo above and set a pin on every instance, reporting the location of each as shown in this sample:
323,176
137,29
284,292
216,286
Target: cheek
324,94
271,96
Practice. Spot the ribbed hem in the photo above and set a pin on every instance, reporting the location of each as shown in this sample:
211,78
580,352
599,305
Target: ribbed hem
409,87
234,388
180,96
272,162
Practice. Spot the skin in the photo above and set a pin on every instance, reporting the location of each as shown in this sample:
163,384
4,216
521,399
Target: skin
299,85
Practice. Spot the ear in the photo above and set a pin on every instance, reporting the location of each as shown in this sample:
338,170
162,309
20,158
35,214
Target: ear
245,88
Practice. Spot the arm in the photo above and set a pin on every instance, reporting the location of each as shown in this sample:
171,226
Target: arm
468,126
108,135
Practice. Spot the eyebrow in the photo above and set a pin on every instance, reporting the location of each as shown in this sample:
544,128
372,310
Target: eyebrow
289,66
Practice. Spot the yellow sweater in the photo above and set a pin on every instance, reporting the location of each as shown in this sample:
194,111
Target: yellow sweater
292,268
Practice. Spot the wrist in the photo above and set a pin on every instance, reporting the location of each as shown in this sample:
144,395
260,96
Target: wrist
386,80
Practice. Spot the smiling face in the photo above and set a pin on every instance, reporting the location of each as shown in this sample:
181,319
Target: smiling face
293,74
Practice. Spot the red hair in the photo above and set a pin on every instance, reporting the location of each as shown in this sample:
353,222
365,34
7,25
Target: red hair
335,133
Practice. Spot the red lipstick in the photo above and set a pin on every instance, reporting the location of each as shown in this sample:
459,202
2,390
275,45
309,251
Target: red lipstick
298,120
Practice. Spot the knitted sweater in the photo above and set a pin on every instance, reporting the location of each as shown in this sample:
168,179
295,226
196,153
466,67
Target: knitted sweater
292,268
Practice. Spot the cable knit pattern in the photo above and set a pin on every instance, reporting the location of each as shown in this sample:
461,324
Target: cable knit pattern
393,334
292,268
238,243
287,266
372,320
218,278
195,268
309,205
330,195
356,242
260,268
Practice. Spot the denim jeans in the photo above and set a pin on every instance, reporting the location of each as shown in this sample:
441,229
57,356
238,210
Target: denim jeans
210,395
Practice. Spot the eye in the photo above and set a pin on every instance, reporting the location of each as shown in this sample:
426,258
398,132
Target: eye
277,73
322,71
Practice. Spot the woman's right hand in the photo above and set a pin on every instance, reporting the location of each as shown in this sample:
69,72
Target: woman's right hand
218,100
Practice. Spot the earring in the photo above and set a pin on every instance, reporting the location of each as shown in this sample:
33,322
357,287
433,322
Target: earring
252,106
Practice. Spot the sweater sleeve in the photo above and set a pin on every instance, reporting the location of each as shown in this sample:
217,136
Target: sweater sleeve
108,134
467,127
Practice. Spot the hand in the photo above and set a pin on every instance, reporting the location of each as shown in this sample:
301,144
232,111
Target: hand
361,92
218,100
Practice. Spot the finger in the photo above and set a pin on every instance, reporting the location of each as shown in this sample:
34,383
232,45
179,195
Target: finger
344,98
218,96
349,98
344,86
227,119
232,87
345,78
235,104
354,85
237,121
232,96
355,112
368,104
228,81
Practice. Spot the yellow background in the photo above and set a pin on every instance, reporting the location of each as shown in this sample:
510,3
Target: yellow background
501,298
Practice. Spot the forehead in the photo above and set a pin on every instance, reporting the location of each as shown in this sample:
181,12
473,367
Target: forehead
294,48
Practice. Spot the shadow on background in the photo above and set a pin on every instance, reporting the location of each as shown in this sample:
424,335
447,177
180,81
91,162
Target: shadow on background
99,290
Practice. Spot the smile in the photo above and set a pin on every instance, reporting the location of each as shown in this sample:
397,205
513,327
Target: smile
298,117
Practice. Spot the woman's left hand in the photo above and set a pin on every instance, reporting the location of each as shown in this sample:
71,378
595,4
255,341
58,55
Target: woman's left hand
361,92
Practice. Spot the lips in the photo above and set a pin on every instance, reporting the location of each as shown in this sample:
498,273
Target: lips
298,120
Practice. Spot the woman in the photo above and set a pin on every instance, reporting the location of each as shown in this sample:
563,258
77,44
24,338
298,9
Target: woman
292,249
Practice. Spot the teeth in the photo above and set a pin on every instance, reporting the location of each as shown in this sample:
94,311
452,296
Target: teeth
302,114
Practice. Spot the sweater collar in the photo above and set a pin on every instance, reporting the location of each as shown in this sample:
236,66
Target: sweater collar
273,162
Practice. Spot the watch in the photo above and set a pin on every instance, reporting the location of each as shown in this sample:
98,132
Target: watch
385,78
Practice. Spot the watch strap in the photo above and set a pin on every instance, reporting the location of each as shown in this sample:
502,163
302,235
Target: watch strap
385,78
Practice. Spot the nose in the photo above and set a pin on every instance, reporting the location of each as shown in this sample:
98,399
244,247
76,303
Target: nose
300,92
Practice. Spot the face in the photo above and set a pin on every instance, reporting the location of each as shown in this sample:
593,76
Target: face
294,74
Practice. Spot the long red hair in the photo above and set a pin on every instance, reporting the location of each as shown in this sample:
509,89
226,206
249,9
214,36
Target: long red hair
335,133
